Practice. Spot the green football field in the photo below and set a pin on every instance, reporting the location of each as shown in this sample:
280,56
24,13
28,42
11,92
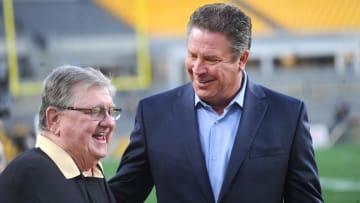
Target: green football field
339,169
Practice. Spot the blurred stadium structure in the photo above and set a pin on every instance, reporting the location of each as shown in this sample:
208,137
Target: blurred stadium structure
308,49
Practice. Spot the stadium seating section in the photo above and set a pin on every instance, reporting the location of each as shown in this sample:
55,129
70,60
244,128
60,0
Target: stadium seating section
305,16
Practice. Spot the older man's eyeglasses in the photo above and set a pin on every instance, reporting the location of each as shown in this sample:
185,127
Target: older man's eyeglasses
98,113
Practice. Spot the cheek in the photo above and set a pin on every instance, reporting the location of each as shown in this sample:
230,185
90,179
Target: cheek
83,135
188,65
79,128
89,128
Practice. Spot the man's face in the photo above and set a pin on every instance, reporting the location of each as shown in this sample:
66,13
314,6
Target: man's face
86,139
216,78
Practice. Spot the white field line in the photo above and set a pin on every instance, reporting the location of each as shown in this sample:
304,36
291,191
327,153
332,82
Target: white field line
339,184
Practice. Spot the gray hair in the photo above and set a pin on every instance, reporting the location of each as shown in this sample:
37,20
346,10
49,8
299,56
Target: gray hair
226,19
58,86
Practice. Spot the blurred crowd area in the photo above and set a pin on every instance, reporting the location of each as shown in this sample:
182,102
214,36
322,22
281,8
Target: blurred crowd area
307,49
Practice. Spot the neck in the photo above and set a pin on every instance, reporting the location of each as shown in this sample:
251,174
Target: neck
219,109
88,173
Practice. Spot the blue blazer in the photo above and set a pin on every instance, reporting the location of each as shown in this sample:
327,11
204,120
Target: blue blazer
272,159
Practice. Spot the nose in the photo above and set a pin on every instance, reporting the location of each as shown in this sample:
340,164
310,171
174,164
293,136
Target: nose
199,67
107,120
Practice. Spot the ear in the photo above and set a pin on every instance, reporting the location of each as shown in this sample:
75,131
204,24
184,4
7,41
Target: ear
243,60
53,116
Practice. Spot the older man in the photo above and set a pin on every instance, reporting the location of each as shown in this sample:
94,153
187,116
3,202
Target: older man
76,121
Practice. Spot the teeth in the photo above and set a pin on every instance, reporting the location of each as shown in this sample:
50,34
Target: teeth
99,136
203,81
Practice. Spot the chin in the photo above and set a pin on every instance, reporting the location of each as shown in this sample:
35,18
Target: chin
203,94
100,155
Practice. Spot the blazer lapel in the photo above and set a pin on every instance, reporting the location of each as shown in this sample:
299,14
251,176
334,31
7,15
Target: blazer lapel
185,109
252,115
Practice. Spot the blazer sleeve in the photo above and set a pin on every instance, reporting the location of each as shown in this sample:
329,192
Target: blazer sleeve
133,181
302,183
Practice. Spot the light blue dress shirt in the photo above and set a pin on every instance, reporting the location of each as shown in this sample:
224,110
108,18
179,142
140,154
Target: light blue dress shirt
217,136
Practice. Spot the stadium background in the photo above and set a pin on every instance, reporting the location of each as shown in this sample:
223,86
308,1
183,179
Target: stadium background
305,48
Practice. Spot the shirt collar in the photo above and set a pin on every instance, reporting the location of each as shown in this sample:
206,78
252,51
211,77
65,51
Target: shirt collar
239,98
62,159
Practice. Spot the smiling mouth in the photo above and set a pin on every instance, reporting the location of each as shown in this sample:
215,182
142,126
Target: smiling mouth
100,137
203,83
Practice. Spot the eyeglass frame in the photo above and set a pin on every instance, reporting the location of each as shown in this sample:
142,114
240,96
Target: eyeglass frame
101,111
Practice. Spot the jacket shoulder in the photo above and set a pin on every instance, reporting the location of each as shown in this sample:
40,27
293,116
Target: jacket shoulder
271,94
29,161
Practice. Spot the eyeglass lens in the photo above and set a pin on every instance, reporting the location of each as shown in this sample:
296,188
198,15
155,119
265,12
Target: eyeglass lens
99,113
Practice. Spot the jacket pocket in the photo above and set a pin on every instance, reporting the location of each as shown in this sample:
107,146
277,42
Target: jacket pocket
257,153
